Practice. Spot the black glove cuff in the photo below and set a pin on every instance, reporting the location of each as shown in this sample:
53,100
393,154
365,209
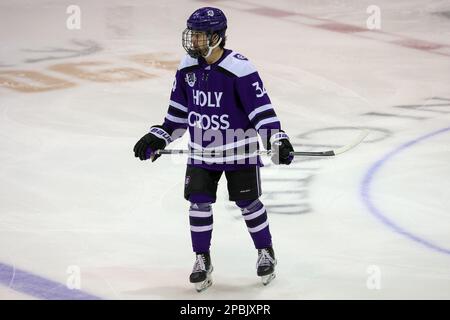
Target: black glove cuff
160,132
278,136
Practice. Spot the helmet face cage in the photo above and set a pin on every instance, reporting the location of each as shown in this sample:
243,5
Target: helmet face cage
196,42
203,26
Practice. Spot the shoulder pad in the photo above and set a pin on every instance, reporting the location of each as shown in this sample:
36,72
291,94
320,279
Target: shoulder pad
187,61
237,64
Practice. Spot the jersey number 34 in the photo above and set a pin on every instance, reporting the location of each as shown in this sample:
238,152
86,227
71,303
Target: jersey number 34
259,91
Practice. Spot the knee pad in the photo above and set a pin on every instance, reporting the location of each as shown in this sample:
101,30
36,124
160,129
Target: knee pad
200,216
200,202
255,216
205,206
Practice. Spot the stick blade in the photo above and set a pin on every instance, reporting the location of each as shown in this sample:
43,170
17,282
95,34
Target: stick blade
357,141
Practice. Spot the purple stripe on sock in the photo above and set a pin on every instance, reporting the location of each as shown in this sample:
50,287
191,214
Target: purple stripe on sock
39,287
200,221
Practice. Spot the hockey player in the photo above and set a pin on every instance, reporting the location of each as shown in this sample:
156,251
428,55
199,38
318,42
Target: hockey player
219,97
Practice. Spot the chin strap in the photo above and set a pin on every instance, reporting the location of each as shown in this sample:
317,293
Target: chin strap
210,49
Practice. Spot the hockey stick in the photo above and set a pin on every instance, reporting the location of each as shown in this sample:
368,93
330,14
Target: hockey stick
328,153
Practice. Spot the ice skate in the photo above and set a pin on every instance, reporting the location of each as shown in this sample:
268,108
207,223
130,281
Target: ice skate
201,273
266,265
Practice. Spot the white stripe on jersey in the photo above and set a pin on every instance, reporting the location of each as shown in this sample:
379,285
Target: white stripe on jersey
259,110
266,121
175,119
177,105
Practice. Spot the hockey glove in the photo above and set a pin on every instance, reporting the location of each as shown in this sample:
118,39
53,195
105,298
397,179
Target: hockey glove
281,148
156,139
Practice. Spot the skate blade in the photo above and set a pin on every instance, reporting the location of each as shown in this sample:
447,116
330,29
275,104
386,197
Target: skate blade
267,279
205,284
202,286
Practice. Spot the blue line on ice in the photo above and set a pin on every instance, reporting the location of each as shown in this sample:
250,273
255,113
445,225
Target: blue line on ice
38,286
369,177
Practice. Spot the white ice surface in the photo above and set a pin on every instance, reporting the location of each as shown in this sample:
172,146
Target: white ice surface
72,193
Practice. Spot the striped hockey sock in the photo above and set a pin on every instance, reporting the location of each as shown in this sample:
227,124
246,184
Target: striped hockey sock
201,221
255,216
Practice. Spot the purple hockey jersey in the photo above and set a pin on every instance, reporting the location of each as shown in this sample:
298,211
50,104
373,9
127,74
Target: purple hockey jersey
225,106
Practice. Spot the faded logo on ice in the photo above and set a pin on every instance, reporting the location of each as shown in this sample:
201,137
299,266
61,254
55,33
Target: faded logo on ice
73,22
374,280
74,280
374,20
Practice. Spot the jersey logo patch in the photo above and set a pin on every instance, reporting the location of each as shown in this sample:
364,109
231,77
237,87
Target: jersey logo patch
239,56
191,79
